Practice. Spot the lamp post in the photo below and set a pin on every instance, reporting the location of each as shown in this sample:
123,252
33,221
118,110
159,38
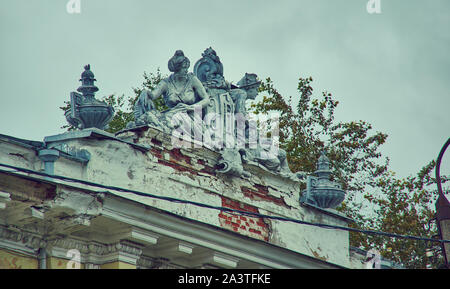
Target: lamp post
443,209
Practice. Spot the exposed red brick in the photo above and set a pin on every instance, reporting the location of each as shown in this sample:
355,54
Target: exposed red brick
208,170
230,204
156,152
177,155
176,166
156,142
249,208
262,195
262,224
245,225
262,189
179,161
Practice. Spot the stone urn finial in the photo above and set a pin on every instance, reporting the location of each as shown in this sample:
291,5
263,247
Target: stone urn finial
86,111
320,190
87,88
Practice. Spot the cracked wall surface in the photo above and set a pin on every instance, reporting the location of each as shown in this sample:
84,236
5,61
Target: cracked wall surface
190,174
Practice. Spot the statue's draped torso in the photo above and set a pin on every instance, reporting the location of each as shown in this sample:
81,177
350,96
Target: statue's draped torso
179,93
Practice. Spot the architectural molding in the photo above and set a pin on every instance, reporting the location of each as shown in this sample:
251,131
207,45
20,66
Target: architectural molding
207,236
95,253
4,199
90,133
217,259
21,239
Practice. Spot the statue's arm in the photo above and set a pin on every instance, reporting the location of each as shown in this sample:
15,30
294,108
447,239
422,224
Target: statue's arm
160,88
145,100
201,92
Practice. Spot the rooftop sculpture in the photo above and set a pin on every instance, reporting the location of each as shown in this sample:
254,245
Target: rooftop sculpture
181,91
207,92
321,191
205,107
86,111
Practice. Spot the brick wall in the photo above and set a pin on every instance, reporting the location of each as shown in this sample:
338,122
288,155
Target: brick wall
245,225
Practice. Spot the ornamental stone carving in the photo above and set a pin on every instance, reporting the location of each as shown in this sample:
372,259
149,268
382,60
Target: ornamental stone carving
86,111
320,191
182,93
204,106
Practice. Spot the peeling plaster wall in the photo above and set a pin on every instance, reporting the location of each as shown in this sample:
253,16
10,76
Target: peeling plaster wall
327,245
10,260
19,156
64,165
190,174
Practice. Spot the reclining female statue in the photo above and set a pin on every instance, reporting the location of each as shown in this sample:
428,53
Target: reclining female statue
181,92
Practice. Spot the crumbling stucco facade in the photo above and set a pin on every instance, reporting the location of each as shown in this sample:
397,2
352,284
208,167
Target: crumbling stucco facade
118,229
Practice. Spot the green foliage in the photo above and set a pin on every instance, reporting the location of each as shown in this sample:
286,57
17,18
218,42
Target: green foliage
151,80
376,199
405,206
65,108
121,116
311,128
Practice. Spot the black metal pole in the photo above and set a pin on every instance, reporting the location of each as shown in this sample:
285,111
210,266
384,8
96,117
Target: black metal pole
442,203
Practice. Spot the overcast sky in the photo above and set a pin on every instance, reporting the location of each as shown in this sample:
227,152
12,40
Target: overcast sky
390,69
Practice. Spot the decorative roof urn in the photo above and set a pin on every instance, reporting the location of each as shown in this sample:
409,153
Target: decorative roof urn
320,191
86,111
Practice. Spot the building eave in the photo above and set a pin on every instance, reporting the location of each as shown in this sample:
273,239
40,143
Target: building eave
161,222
